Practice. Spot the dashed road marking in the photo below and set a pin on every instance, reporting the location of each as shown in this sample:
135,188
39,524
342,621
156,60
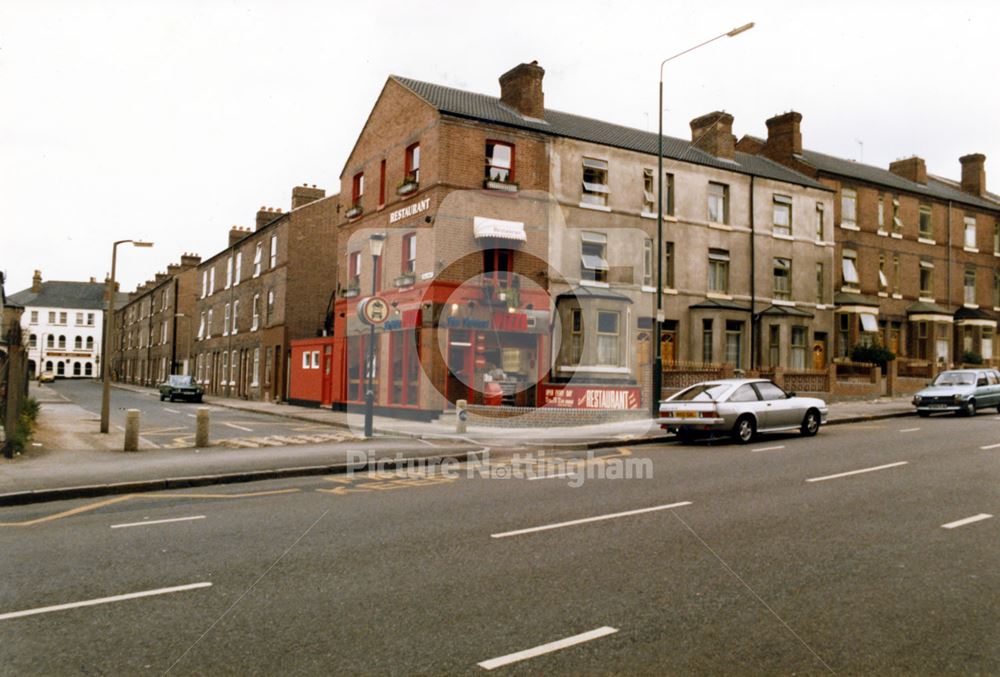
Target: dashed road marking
909,430
501,661
587,520
991,446
172,411
968,520
104,600
857,472
774,448
151,522
238,427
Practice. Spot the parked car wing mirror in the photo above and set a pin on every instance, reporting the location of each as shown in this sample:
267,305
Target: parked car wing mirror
791,395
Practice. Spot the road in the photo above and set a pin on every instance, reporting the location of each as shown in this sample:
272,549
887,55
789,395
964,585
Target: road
865,550
172,424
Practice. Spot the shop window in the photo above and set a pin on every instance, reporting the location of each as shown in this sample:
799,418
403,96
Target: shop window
357,355
595,182
798,348
608,338
409,253
926,225
718,203
782,279
782,208
848,208
499,162
357,189
498,266
413,163
404,367
718,271
593,249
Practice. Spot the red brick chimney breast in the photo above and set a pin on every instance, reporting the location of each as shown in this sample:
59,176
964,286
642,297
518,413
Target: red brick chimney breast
521,89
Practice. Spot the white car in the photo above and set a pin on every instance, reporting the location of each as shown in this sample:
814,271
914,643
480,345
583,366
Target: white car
741,407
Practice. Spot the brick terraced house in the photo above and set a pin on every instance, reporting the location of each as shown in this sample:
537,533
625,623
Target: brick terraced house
267,287
152,337
517,253
918,255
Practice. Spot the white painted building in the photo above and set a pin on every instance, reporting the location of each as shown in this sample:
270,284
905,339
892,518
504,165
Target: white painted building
63,324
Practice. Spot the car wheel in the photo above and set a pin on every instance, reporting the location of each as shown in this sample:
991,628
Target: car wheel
923,414
998,408
810,424
198,398
970,408
162,397
171,397
744,430
684,435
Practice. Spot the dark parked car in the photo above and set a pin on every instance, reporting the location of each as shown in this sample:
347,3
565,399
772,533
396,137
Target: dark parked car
960,390
181,388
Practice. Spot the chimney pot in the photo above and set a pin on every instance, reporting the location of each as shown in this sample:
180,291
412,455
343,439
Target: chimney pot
784,136
713,133
303,195
521,89
974,174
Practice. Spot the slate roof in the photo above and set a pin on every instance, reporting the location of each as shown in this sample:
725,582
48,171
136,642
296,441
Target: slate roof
924,307
57,294
935,187
785,311
974,314
583,292
720,304
486,108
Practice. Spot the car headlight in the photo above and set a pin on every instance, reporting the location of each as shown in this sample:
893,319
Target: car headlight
959,398
916,399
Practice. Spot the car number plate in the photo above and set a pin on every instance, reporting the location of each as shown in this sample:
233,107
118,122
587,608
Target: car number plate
687,414
938,406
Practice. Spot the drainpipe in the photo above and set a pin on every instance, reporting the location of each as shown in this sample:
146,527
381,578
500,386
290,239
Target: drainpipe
949,253
753,283
954,332
173,331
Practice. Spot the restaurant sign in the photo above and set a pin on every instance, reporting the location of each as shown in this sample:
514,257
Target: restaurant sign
590,397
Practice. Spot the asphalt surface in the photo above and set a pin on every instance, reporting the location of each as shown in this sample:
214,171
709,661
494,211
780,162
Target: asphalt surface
172,424
772,561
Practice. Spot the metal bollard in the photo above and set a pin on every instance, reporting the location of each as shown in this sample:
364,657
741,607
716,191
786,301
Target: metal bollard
131,430
201,430
461,415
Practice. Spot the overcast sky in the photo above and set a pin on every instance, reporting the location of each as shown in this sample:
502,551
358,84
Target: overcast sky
173,120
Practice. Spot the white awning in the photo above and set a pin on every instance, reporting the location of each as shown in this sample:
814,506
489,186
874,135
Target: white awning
498,228
868,322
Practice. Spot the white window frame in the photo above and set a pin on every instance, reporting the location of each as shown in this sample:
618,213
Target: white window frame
849,269
595,193
717,191
274,250
258,255
781,203
970,229
229,271
848,196
208,325
236,313
227,319
616,361
255,318
238,268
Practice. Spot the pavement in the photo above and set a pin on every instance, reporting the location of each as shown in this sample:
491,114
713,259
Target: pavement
71,459
867,550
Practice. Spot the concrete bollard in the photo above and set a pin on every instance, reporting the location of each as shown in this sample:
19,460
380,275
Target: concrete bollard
461,415
131,430
201,430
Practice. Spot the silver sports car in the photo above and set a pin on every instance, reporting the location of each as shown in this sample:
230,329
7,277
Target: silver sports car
741,407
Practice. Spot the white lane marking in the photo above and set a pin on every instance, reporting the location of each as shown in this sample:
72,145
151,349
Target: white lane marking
494,663
552,476
192,416
968,520
239,427
172,411
166,521
103,600
991,446
856,472
585,520
909,430
781,446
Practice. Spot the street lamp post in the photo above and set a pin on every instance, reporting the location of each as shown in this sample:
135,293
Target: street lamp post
109,334
375,243
658,321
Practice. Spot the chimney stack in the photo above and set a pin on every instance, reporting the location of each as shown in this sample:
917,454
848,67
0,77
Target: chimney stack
521,89
36,282
304,194
160,277
236,233
974,173
713,133
173,269
190,260
911,168
265,215
784,137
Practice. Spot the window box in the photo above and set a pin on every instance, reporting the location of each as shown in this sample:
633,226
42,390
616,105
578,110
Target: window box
354,212
405,280
409,185
350,292
505,186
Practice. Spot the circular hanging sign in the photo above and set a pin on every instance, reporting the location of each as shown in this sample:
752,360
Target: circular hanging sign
373,310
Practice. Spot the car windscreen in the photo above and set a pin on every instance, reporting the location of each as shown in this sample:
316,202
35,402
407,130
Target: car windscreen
703,392
180,381
955,378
